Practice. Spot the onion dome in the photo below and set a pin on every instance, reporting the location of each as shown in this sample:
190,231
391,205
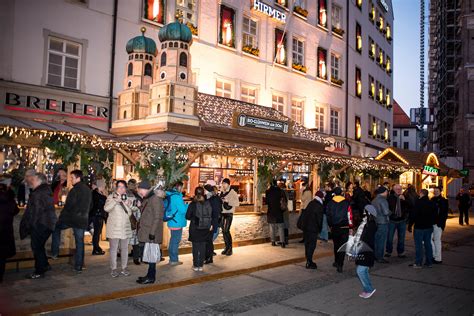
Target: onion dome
142,44
175,31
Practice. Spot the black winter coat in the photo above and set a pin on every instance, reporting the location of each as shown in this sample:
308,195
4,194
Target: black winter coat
273,197
312,217
464,201
8,210
442,208
39,211
75,213
367,258
216,204
337,212
359,200
424,214
196,235
98,203
392,204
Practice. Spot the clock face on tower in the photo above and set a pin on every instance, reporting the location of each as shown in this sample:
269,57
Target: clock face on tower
182,75
163,75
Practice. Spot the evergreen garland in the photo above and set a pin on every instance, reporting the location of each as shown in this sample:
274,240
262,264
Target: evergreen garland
63,149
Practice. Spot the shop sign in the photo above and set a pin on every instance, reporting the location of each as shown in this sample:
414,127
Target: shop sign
430,171
335,146
464,172
244,120
49,106
264,8
384,5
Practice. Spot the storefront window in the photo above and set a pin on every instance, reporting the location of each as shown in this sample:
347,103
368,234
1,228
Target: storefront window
227,27
64,59
278,103
248,94
297,110
322,68
223,89
358,82
322,13
154,11
189,11
320,119
249,36
358,38
280,47
358,129
334,122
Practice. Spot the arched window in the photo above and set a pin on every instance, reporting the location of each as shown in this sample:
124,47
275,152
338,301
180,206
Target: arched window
176,44
141,56
181,45
147,71
130,69
136,56
183,60
124,114
163,59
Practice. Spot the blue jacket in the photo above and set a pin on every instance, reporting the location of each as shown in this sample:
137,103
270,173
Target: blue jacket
175,208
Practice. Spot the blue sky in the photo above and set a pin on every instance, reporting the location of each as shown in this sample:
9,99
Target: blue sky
406,73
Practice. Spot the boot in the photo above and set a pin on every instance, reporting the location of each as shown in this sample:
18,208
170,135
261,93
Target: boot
224,251
311,265
274,243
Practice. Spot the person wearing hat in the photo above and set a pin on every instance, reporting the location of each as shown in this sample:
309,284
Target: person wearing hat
216,205
175,217
150,228
311,222
230,201
339,215
382,219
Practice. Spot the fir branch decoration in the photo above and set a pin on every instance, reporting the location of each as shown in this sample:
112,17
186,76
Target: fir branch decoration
63,149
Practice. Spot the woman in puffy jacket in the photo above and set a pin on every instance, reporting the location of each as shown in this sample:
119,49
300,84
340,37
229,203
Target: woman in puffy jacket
119,206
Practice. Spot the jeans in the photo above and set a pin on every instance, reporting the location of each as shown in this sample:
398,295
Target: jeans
79,239
380,240
310,241
199,252
423,237
436,242
464,216
98,222
324,234
39,236
225,225
339,237
274,227
173,248
151,274
401,228
114,245
364,278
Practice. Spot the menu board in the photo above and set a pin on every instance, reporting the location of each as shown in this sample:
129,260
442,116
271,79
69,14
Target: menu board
205,174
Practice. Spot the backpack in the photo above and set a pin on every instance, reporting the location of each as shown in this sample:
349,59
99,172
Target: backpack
203,215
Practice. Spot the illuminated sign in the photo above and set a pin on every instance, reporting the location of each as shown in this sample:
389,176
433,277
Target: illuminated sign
430,171
334,145
244,120
268,10
384,5
32,104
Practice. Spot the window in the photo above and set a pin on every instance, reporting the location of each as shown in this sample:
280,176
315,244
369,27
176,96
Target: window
388,33
283,3
334,122
130,69
335,60
163,59
371,48
359,4
322,70
64,61
183,59
148,71
278,103
358,38
322,13
358,83
227,26
395,133
388,65
388,100
320,119
154,11
297,110
395,144
189,10
371,87
298,52
249,35
381,57
336,18
358,129
406,133
223,89
406,145
372,12
380,93
248,94
280,47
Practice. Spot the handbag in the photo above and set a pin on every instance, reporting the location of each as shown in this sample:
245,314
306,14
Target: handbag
151,253
131,217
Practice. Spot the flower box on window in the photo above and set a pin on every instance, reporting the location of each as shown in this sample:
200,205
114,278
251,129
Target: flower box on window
299,67
337,81
338,31
300,11
251,50
193,28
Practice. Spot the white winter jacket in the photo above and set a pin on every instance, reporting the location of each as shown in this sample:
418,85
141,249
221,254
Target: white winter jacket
118,222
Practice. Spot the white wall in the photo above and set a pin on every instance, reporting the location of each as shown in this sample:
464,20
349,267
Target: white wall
412,138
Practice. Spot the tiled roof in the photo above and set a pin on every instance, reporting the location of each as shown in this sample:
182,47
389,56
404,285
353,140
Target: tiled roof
400,118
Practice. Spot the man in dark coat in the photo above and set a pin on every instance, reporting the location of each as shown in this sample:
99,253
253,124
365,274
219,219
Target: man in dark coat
274,197
359,199
311,224
442,208
8,210
399,209
39,221
216,205
464,205
75,215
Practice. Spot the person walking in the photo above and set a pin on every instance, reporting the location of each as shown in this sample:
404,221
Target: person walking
75,215
150,228
39,221
8,210
216,204
175,217
275,198
464,204
97,215
339,215
442,208
311,222
399,210
118,231
199,214
423,217
382,219
230,201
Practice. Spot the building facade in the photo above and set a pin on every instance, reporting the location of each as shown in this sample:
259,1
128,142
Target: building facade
405,135
451,81
327,64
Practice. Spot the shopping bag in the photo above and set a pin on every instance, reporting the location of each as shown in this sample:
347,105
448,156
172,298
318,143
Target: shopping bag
151,253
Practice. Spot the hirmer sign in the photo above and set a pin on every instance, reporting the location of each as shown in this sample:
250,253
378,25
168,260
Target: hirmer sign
268,10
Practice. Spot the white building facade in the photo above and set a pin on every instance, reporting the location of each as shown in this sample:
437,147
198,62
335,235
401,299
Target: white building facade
327,64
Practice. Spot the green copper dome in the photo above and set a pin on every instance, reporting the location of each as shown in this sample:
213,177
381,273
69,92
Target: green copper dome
141,44
175,31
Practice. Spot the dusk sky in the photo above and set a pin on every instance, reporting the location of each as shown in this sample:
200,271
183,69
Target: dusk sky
407,51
